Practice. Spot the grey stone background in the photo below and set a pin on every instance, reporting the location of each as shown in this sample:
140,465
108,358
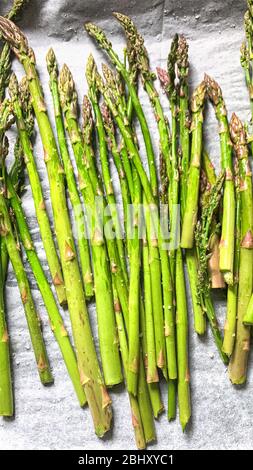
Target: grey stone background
50,418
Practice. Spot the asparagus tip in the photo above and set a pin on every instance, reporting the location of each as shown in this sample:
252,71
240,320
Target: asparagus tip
97,33
13,35
51,61
213,89
13,86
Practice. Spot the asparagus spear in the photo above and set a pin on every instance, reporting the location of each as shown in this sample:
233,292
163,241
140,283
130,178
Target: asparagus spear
6,393
232,292
136,416
5,59
228,218
109,191
247,56
25,292
102,277
167,80
136,49
112,145
184,130
43,220
191,202
90,375
75,199
105,44
134,291
202,238
238,363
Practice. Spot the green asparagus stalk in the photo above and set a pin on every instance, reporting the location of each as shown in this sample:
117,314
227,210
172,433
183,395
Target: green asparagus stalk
136,49
134,291
5,58
167,80
217,280
105,44
247,56
16,8
184,400
149,352
109,190
102,277
184,131
83,246
41,213
90,375
152,375
6,394
202,239
228,218
136,416
232,292
238,363
203,231
112,145
191,203
25,293
56,322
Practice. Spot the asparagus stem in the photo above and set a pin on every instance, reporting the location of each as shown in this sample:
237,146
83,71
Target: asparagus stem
56,322
232,292
191,203
184,130
247,57
102,277
238,363
91,378
136,416
83,245
103,42
172,399
43,220
228,217
134,291
26,296
152,375
217,280
112,144
6,395
109,191
184,400
202,238
16,8
167,80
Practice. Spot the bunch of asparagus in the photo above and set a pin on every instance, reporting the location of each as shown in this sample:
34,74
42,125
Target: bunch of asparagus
178,210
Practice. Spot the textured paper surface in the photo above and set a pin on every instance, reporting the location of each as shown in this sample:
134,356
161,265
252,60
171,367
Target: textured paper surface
50,418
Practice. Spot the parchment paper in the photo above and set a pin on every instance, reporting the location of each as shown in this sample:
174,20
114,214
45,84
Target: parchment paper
50,418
